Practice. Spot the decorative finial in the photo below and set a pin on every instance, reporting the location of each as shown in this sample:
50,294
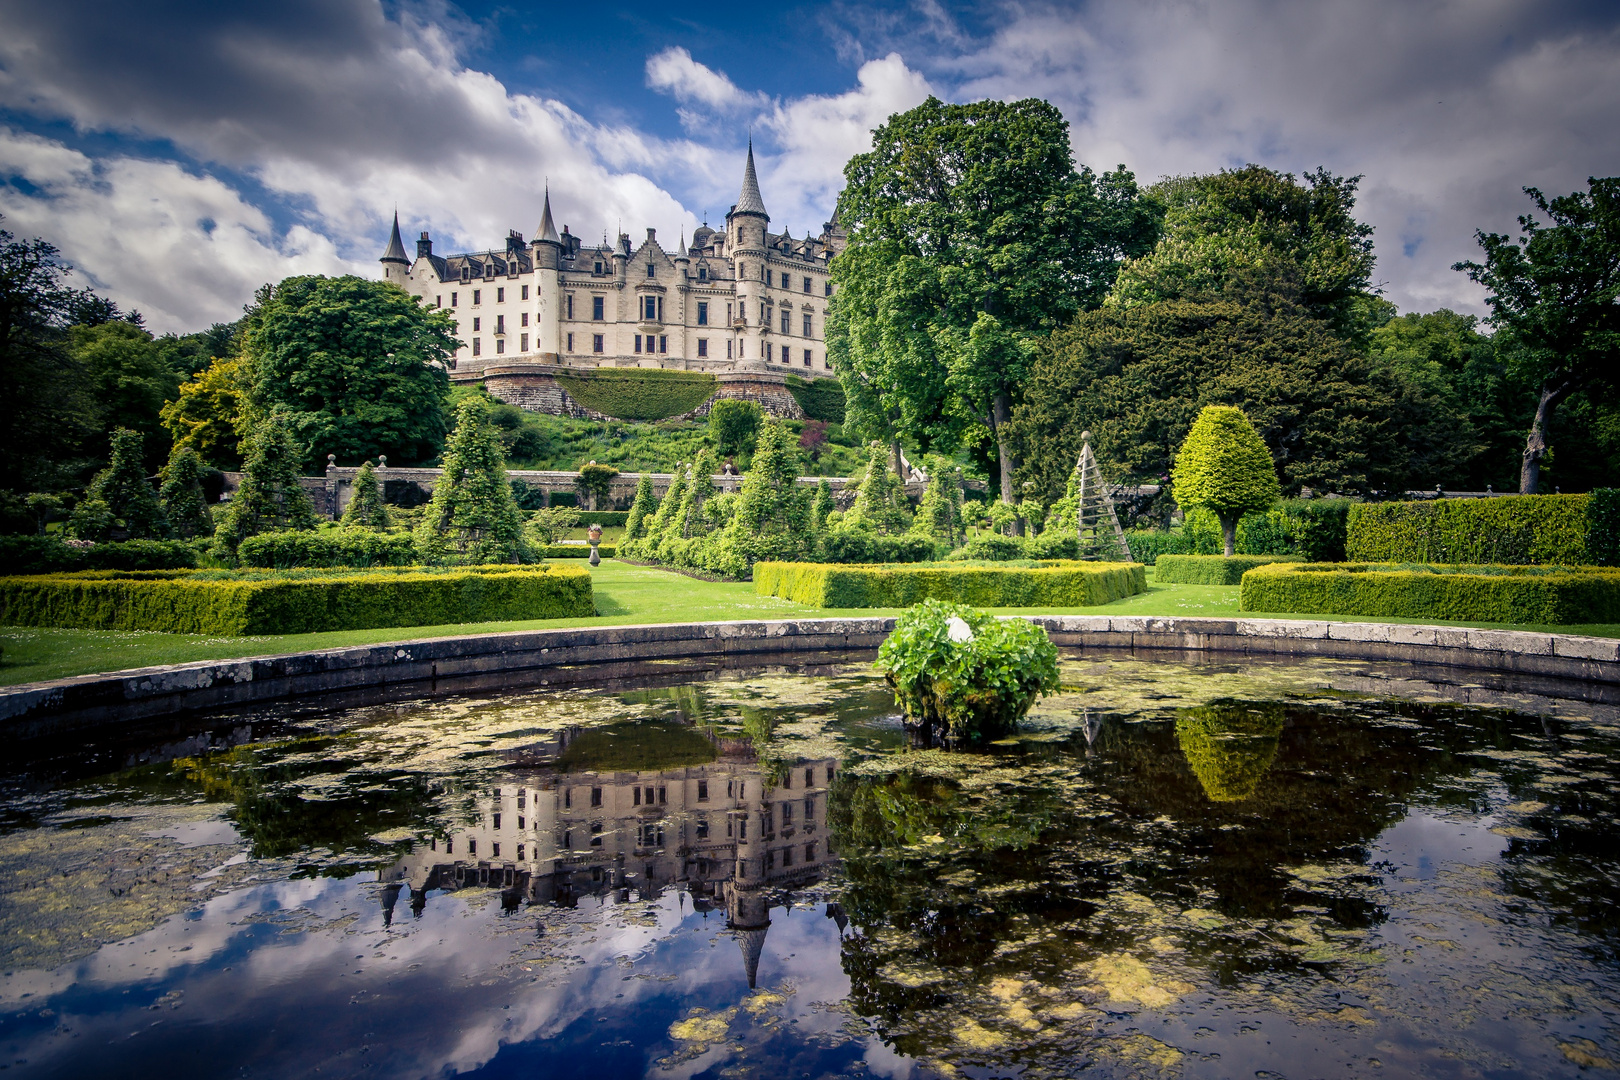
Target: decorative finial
1085,436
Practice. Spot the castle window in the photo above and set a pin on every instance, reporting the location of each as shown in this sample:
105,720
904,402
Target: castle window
728,314
478,346
495,851
703,273
764,317
767,350
660,309
500,345
809,853
476,323
597,343
438,300
596,835
829,288
570,305
525,345
703,348
652,271
449,846
568,839
787,280
703,791
728,348
526,288
525,320
596,800
807,358
570,342
650,306
472,846
787,317
500,296
453,297
466,272
807,327
520,853
807,285
597,305
598,269
500,324
638,341
703,313
478,297
663,343
702,829
742,270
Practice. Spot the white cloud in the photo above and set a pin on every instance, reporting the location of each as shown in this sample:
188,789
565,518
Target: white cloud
674,72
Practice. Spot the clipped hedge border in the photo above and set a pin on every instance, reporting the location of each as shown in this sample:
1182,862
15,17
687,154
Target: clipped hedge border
177,602
574,551
328,548
821,399
1509,594
1065,584
640,393
1211,569
1538,530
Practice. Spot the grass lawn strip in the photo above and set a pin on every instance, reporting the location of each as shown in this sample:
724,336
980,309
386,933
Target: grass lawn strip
625,596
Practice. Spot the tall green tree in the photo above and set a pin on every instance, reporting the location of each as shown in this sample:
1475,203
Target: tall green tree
269,498
209,412
971,234
182,495
472,517
357,365
1224,467
129,380
366,509
880,500
773,510
1556,292
121,496
641,509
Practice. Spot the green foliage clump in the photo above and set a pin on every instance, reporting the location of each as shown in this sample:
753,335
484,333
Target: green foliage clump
192,602
366,509
553,523
1224,467
821,506
1542,595
734,425
963,674
827,585
992,547
1149,545
49,555
181,495
880,504
644,505
860,546
472,518
821,399
1603,527
639,393
128,507
1230,745
574,551
348,546
1211,569
1513,529
270,498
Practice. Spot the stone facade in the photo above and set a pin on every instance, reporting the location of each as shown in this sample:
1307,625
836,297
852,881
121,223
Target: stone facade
742,303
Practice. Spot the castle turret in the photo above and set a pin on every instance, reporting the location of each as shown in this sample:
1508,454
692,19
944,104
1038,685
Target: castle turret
396,267
548,260
745,242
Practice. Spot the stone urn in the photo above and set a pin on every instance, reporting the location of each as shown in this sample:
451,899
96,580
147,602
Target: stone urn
595,534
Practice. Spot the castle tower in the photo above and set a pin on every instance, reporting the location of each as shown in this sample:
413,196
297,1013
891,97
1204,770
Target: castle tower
745,242
396,267
548,257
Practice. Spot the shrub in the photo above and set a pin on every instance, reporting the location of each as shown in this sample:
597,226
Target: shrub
773,511
606,518
551,524
1147,545
1054,544
635,524
1553,595
640,393
130,508
1320,528
328,547
1223,466
880,501
366,508
991,546
964,674
1211,569
472,517
1602,527
269,499
49,555
734,423
821,506
860,546
1513,529
222,602
939,516
1055,585
821,399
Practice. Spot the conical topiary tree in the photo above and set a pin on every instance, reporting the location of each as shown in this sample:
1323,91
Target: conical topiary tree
132,511
879,504
821,506
689,519
773,511
644,506
182,494
939,516
1224,467
269,499
366,509
672,502
472,517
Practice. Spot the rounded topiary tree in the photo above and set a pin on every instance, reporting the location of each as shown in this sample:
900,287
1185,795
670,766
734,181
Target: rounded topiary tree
595,483
366,508
1230,745
1224,467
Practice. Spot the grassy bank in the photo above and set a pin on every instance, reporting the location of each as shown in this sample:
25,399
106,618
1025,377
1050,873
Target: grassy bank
625,595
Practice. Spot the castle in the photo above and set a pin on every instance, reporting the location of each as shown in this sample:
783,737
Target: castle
744,304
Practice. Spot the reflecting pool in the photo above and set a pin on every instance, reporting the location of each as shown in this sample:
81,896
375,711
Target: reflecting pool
1271,869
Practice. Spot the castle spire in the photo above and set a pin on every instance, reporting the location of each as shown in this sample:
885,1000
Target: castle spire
547,232
396,246
749,202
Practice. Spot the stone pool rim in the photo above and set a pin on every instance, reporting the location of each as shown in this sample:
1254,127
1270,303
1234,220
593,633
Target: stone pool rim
574,654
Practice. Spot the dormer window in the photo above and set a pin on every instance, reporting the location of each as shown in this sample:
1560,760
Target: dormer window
466,272
652,270
703,273
598,269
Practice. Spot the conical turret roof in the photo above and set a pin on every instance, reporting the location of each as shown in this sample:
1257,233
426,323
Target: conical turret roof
752,943
547,231
749,202
396,246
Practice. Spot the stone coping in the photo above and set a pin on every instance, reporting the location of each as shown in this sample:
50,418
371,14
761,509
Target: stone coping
591,654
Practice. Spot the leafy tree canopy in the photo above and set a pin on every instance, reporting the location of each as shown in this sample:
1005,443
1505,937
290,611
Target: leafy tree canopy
358,366
971,232
1555,291
1252,218
734,423
126,507
208,413
128,379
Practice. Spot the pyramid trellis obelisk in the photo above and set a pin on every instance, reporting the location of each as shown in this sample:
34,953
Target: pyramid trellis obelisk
1096,509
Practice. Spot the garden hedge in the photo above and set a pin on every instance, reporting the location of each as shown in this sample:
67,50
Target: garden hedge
860,546
1063,584
49,555
573,551
640,393
1510,530
1552,595
821,399
235,603
1212,569
328,547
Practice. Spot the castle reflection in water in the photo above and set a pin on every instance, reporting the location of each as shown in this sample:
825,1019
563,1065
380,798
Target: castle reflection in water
731,833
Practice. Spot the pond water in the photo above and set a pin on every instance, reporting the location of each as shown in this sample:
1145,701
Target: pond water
1200,870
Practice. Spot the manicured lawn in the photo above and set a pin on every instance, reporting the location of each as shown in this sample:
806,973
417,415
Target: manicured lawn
625,595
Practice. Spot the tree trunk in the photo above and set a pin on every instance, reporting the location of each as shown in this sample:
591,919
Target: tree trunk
1000,414
1229,533
899,463
1535,446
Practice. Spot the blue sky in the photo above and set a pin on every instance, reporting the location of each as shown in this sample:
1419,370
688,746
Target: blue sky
181,153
